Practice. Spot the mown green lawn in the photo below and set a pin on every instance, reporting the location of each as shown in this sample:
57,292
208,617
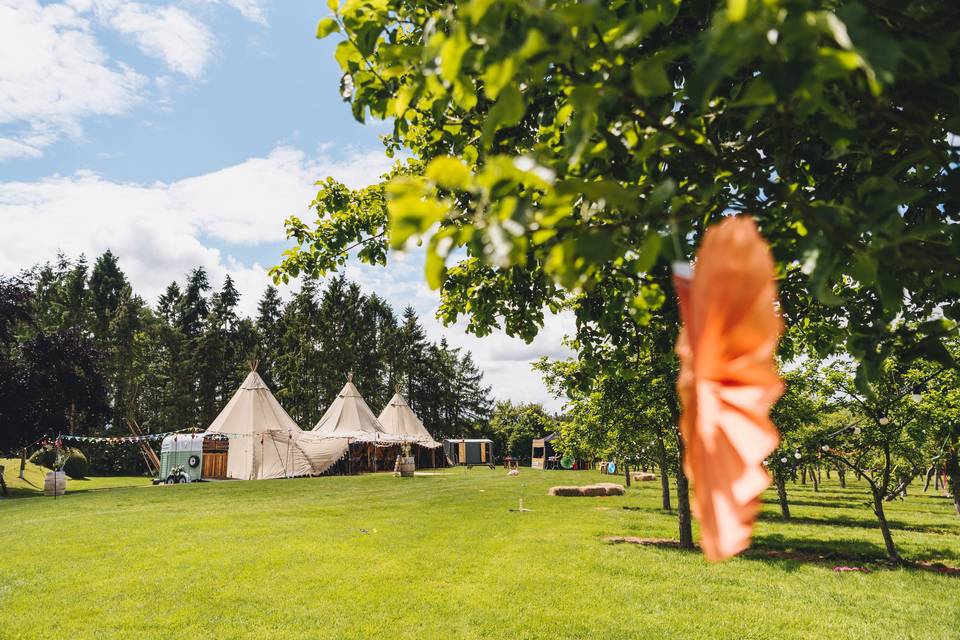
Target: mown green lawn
32,482
442,556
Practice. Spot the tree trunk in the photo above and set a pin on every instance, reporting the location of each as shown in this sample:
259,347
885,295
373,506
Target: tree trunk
828,472
842,476
664,475
929,476
814,479
884,527
782,494
684,518
803,476
23,461
626,473
953,473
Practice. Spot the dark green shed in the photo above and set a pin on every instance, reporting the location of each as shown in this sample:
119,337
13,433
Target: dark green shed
469,452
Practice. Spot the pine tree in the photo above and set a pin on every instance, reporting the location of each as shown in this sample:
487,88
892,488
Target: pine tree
107,283
169,305
268,333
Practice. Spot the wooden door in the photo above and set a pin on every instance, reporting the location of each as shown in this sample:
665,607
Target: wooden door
214,465
462,455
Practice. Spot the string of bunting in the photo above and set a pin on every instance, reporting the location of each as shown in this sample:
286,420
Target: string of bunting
145,437
203,434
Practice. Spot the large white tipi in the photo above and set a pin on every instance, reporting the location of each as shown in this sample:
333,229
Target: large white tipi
265,442
350,417
399,419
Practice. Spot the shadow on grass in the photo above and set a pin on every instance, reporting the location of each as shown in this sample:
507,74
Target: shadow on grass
790,555
838,503
858,523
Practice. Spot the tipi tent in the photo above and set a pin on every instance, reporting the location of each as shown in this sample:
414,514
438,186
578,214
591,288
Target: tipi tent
265,442
399,419
350,417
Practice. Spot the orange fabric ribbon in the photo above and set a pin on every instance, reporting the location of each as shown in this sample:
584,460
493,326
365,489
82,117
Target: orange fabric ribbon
728,380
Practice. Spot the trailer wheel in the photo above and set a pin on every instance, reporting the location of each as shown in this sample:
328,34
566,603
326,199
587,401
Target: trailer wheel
170,480
194,461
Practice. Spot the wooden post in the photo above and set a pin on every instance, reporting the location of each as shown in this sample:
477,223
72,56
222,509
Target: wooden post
23,461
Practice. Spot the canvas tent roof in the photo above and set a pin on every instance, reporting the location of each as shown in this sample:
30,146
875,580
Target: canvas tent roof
399,419
350,417
265,442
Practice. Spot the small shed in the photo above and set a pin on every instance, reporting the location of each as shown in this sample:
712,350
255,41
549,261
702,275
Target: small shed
542,455
469,452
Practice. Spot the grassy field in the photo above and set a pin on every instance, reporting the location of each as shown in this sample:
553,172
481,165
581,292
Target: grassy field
32,483
443,556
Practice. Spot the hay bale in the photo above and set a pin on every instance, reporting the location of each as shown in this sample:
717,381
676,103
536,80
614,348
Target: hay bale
643,476
611,488
564,491
590,490
594,490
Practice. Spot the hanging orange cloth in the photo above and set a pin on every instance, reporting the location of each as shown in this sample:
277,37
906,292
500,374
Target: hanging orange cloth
728,380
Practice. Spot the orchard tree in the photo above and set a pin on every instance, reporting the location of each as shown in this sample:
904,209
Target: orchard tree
887,442
936,394
622,413
514,426
796,415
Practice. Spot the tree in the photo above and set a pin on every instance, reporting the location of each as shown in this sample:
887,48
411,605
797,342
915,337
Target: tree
268,330
107,283
514,426
797,416
618,412
556,141
885,443
935,394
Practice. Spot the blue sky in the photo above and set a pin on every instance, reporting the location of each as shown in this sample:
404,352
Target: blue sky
181,133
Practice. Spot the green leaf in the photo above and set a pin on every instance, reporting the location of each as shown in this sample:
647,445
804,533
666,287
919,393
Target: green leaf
648,253
449,173
890,290
759,93
451,55
412,210
434,266
864,269
507,111
333,5
736,10
327,26
497,76
650,79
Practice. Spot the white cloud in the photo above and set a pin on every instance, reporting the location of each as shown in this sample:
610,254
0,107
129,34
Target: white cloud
54,73
10,148
252,10
168,33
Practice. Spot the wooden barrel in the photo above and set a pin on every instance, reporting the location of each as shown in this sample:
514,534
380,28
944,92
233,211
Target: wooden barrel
407,466
55,483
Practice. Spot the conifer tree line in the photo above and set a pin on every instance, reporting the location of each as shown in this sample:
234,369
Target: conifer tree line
82,354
